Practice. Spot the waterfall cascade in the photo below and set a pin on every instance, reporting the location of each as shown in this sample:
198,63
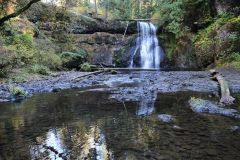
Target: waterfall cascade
151,54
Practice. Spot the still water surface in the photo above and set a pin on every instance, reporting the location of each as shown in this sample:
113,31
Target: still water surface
75,124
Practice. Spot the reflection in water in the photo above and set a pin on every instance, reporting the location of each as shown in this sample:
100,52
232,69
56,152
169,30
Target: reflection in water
54,141
146,100
96,143
92,144
52,148
81,125
146,104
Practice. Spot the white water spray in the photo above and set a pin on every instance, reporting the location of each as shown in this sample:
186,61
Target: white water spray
147,44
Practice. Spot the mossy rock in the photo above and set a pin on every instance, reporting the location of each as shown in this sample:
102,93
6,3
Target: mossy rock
74,59
86,67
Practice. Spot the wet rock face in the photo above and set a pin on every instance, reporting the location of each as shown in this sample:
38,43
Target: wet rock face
102,55
113,27
123,55
102,46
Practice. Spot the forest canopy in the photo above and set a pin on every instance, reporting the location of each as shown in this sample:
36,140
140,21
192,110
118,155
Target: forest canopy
50,34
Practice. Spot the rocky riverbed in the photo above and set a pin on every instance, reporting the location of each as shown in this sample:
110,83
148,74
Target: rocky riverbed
149,112
125,85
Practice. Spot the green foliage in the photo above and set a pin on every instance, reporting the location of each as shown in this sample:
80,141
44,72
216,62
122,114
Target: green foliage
22,45
22,50
171,16
86,67
18,78
22,39
17,91
7,61
88,20
237,96
40,69
74,59
50,60
235,56
219,41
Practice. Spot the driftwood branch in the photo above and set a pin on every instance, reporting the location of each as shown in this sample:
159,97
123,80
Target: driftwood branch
129,69
125,31
89,74
226,97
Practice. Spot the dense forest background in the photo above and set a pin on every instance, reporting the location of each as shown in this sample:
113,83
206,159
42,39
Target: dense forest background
54,35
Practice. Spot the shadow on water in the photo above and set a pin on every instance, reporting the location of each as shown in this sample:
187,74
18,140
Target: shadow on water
75,124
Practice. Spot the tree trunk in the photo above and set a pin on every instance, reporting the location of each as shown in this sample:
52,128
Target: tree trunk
96,10
106,10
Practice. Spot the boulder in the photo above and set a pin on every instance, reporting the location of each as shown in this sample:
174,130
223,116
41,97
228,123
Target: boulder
205,106
166,118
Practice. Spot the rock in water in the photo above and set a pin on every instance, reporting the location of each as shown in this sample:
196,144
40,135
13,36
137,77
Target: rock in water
166,118
235,128
204,106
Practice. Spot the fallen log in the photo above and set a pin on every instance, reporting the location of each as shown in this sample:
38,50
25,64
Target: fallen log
89,74
129,69
226,97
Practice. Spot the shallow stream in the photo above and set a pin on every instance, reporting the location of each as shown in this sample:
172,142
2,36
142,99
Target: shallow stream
89,124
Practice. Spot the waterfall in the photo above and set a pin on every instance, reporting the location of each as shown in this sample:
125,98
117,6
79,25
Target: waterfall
147,46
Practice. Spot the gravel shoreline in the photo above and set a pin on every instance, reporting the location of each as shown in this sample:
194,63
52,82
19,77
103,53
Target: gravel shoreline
125,85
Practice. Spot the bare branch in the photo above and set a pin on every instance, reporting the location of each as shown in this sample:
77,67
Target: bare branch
18,12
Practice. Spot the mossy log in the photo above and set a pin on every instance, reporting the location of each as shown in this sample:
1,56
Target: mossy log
226,97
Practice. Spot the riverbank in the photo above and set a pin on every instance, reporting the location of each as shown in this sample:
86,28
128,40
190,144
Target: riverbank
125,85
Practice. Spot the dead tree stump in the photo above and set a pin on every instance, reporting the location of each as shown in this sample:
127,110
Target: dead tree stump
226,97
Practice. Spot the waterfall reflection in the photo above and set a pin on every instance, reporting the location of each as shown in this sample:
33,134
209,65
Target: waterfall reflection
52,147
96,146
146,104
89,144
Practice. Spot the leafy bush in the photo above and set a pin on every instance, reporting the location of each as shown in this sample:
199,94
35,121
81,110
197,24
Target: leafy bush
40,69
219,41
23,39
50,59
22,45
17,91
85,67
235,56
74,59
18,78
28,51
7,60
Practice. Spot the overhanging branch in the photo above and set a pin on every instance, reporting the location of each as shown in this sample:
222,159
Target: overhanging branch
18,12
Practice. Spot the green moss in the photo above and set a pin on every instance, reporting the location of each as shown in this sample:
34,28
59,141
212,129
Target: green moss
74,59
86,67
49,59
40,69
17,91
18,78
